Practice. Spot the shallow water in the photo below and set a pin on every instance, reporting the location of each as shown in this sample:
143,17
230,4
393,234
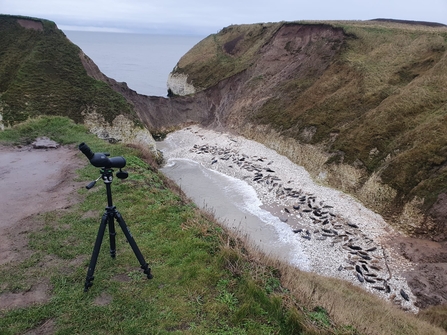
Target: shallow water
236,205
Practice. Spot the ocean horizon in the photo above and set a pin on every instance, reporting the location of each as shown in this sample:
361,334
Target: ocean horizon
143,61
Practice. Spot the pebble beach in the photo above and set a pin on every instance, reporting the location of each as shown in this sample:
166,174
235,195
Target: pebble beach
338,235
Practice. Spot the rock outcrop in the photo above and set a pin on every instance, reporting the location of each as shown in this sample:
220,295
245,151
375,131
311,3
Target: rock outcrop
178,84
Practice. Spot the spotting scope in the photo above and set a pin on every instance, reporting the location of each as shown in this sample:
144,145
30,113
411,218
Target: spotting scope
101,159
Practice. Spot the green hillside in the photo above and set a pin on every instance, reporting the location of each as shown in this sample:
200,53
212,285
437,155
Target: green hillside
41,74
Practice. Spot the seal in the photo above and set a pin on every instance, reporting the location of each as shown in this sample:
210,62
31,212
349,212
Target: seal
369,280
354,247
360,278
404,295
371,275
375,267
358,269
380,288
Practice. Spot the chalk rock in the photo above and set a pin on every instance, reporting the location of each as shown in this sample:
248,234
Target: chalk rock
45,143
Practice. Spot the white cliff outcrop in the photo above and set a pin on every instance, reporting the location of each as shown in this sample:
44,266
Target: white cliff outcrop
121,130
178,84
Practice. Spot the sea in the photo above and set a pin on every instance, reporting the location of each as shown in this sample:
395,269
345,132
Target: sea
143,61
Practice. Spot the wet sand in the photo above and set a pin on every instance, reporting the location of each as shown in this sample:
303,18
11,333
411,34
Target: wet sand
338,235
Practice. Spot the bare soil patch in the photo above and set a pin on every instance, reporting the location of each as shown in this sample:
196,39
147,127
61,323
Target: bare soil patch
428,279
32,181
31,24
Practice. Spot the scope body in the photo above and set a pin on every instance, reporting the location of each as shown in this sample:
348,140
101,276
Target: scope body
100,159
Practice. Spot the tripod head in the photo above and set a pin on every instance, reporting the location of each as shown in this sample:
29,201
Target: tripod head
102,160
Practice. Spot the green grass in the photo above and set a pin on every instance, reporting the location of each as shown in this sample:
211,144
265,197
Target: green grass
384,89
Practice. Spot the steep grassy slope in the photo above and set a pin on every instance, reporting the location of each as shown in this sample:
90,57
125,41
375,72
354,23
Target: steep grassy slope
41,73
370,97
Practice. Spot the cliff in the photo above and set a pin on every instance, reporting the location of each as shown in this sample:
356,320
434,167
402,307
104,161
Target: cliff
43,73
362,105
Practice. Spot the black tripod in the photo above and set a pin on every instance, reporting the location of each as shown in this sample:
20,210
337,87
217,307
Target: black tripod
108,219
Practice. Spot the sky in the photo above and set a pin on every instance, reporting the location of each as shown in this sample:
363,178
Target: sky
203,17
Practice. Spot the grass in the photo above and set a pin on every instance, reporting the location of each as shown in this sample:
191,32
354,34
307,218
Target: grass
372,124
206,281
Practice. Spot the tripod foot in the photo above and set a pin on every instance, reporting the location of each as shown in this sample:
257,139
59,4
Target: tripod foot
147,271
88,283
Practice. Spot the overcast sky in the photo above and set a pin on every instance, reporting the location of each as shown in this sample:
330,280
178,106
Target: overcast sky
207,16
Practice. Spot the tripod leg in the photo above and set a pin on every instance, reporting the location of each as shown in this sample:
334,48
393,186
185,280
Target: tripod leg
112,235
96,248
133,244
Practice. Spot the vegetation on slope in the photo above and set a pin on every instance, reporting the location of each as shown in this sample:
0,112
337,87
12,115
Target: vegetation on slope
205,280
41,74
379,103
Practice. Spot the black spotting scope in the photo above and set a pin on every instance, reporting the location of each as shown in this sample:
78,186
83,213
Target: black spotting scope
100,159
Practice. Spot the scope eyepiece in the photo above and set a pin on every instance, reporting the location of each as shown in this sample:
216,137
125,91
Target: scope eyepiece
101,159
86,150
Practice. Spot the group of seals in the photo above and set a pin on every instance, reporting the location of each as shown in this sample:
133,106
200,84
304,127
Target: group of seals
312,219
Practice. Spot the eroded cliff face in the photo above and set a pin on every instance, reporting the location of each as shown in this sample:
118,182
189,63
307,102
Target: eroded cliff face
359,105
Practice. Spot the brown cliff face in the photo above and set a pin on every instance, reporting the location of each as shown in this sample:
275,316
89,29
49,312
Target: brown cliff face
291,53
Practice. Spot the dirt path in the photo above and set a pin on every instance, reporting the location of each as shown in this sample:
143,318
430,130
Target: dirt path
32,181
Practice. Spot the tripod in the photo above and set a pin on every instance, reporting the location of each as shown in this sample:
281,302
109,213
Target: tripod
108,220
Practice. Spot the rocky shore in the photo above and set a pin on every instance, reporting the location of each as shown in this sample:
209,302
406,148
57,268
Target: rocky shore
340,237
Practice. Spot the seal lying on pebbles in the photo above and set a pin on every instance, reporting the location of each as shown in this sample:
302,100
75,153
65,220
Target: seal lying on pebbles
336,232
